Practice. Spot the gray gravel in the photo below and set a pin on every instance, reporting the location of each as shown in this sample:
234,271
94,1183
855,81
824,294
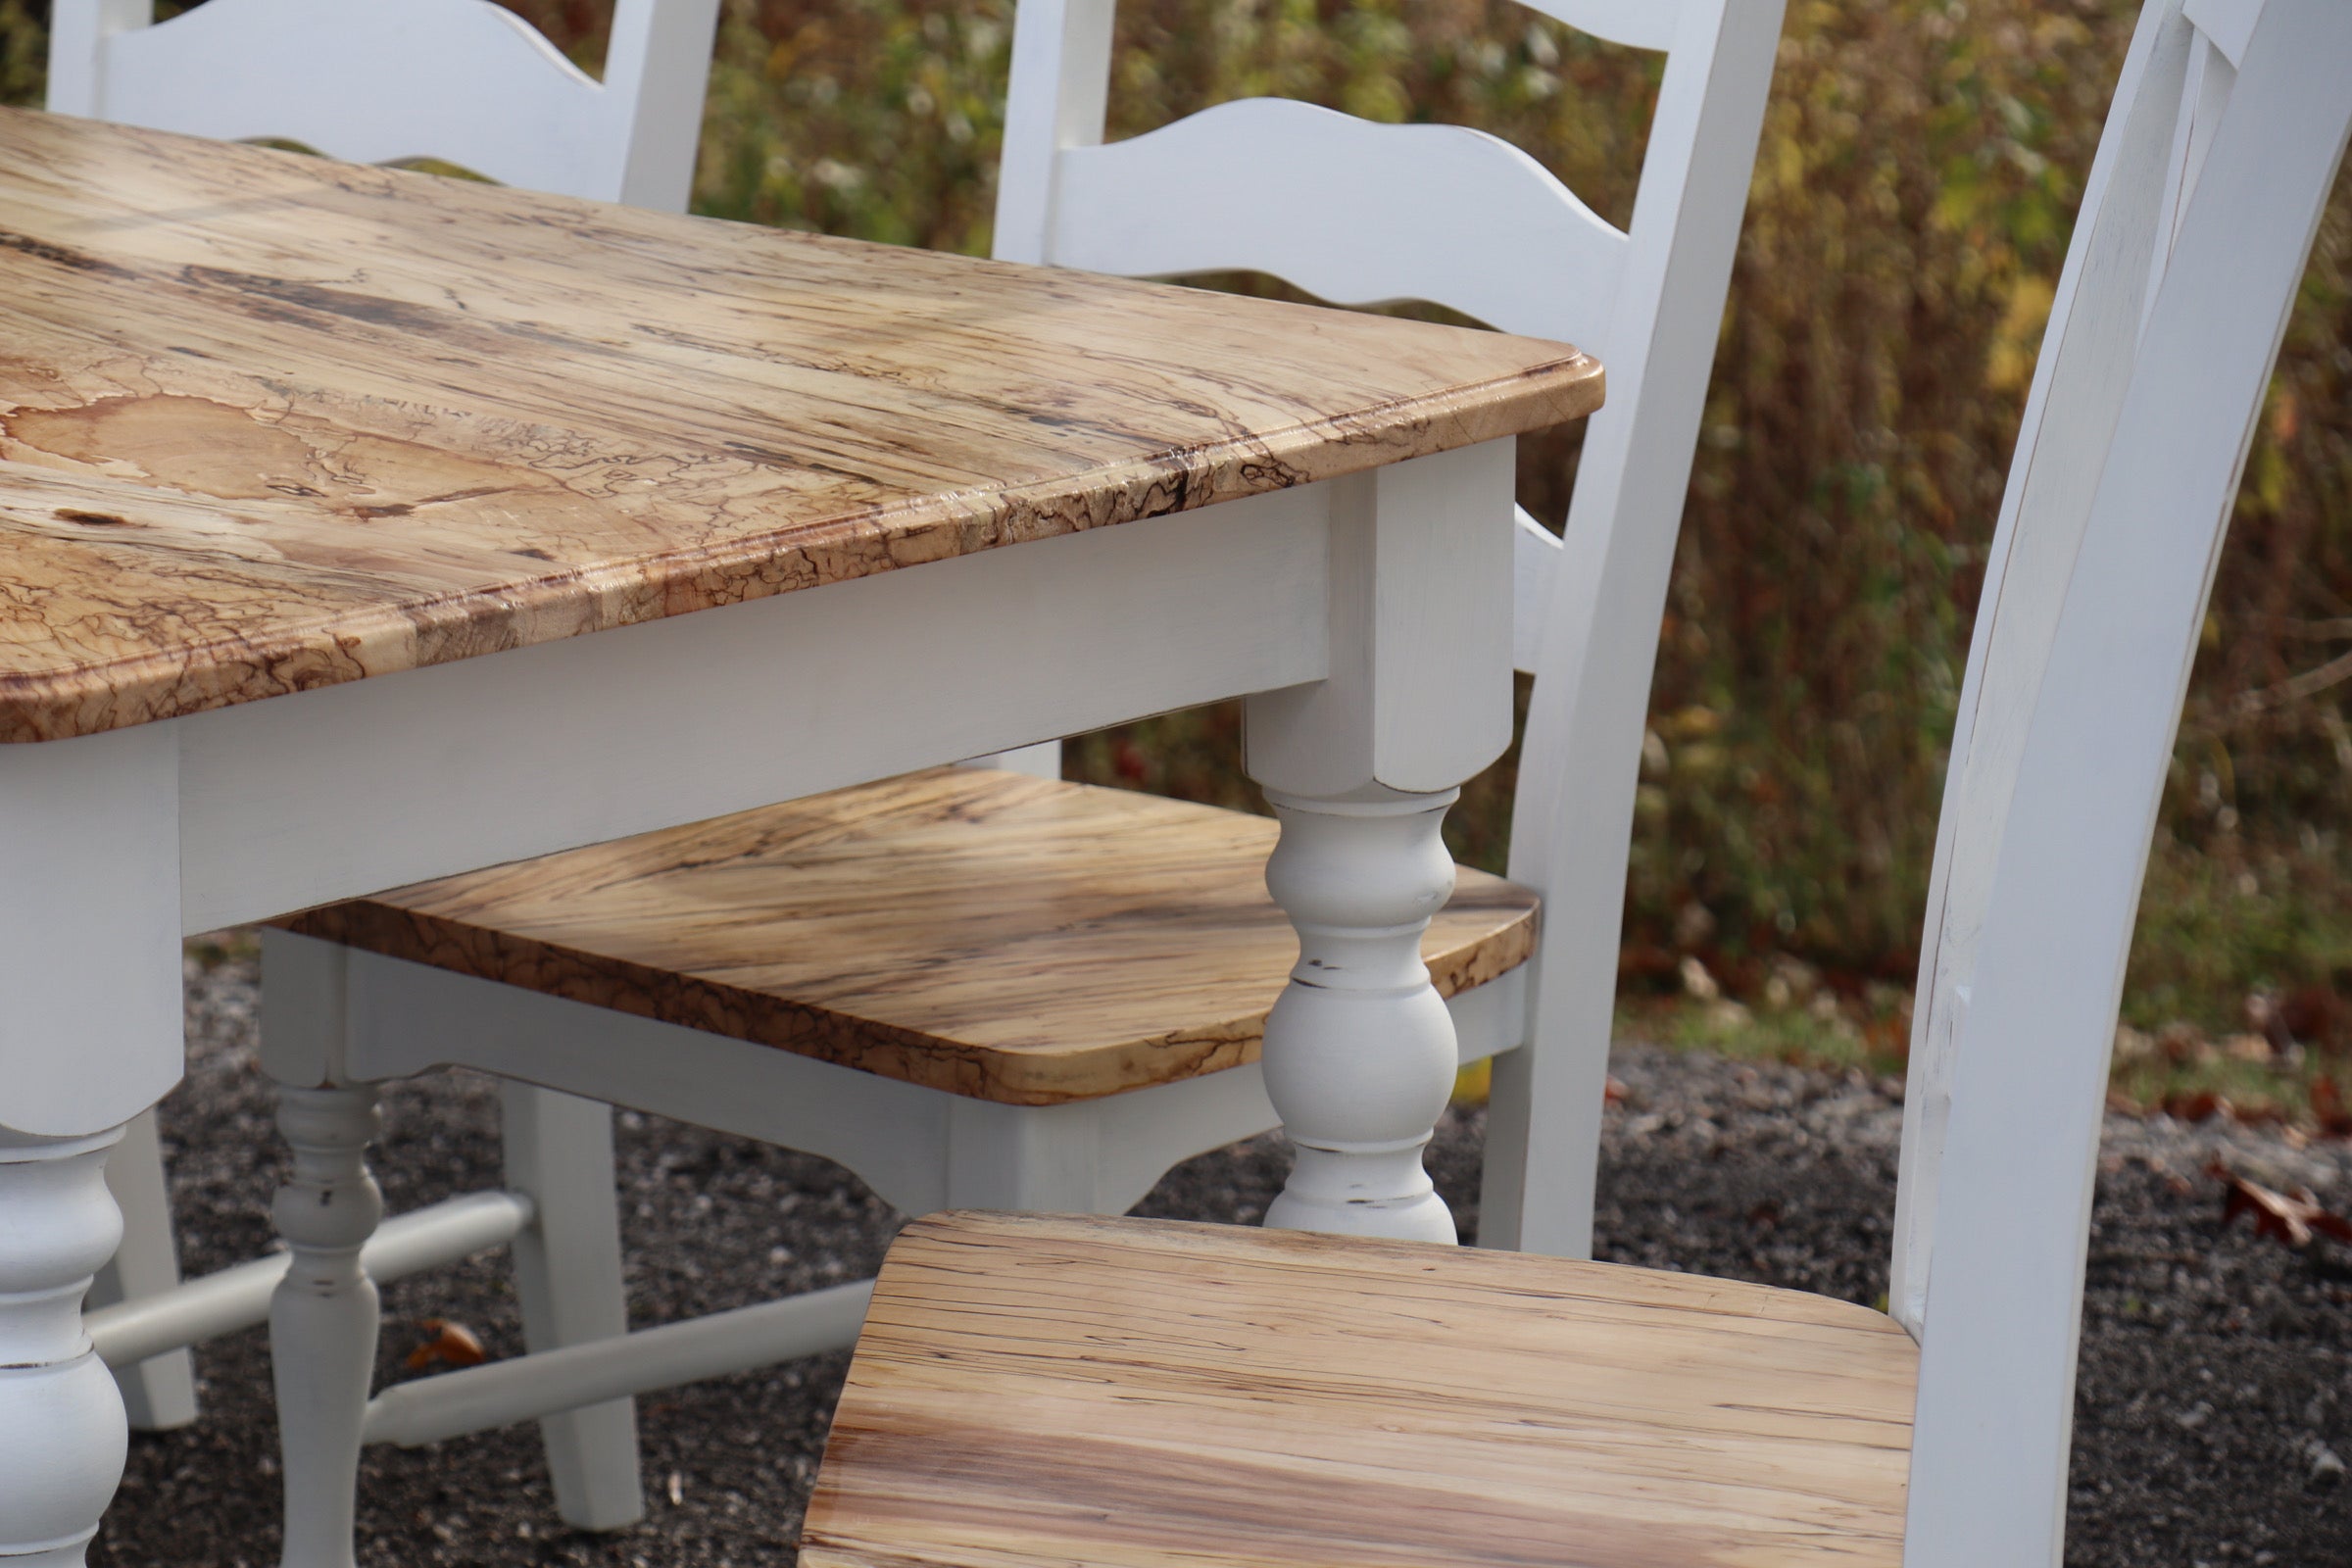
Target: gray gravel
2214,1411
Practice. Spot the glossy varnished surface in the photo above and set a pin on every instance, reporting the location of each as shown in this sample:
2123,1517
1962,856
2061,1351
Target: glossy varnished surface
269,422
991,934
1034,1393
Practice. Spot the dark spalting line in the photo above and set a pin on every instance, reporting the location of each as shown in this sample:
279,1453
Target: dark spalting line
62,255
289,296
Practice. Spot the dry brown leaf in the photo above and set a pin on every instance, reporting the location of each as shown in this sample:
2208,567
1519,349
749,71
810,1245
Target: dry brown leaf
2327,1106
2293,1218
451,1343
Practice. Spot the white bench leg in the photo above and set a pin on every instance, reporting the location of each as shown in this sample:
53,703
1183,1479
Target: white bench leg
62,1436
159,1393
323,1317
567,1278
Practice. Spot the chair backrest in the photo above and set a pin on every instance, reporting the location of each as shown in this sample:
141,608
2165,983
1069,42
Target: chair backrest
2219,152
1363,214
464,82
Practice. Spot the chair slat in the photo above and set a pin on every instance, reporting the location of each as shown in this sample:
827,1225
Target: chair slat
1489,232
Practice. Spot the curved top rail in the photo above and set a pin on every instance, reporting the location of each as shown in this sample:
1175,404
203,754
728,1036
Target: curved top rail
1429,213
463,81
1636,23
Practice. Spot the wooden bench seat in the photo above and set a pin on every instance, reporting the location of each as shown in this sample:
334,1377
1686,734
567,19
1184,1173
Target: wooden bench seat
988,933
1124,1393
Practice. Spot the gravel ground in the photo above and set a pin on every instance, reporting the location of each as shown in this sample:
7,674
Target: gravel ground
2211,1406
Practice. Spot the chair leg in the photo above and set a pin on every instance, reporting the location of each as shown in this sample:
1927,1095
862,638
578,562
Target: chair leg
1543,1115
324,1315
159,1394
567,1278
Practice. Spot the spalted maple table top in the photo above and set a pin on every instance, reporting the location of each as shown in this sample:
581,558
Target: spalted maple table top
269,422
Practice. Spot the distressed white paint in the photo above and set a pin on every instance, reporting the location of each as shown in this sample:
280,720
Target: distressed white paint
2003,1195
324,1315
1360,1052
463,81
158,1391
62,1436
238,1296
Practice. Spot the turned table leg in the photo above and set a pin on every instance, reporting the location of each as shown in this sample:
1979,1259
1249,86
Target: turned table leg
1360,1051
1360,767
63,1437
324,1315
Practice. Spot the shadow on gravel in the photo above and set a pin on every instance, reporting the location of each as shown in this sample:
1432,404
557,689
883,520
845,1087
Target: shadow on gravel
2212,1406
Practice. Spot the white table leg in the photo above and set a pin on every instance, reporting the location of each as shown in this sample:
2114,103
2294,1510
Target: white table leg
90,1039
159,1393
1360,767
61,1432
323,1316
1360,1051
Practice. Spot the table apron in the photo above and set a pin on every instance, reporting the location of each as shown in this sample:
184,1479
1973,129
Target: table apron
299,800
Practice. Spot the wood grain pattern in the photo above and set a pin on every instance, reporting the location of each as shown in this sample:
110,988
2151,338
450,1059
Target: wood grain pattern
988,933
1046,1390
269,422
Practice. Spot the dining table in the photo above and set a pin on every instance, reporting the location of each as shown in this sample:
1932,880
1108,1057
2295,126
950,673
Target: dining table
364,526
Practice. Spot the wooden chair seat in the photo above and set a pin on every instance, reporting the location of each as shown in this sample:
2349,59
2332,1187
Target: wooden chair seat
995,935
1033,1390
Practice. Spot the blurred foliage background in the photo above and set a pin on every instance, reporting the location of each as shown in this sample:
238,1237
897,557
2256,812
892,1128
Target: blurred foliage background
1920,168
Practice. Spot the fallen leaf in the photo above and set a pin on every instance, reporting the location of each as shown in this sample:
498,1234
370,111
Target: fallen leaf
1614,1091
451,1342
2328,1106
2293,1218
2188,1108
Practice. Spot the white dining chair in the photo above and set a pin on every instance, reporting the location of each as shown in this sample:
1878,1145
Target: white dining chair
463,81
989,987
469,84
1033,1391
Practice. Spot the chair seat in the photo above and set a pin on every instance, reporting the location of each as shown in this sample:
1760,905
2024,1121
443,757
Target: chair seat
1033,1391
995,935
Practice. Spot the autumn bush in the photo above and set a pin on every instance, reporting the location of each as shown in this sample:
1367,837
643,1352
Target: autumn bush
1920,167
